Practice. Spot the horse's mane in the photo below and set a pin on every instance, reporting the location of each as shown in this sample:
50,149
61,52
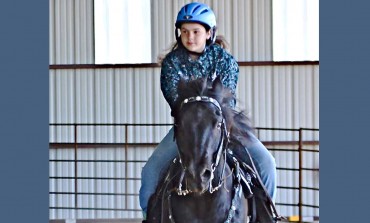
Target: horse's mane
237,122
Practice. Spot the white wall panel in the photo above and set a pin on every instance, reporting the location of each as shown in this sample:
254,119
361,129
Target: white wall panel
59,169
289,178
280,96
106,96
71,32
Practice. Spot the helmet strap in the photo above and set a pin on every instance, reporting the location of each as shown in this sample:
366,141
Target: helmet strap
177,34
213,35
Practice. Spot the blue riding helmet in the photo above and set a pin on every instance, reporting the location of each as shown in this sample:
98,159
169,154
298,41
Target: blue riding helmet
199,13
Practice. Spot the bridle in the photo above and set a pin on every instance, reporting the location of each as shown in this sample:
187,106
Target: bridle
224,140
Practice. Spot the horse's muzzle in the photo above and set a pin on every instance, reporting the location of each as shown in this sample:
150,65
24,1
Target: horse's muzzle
198,181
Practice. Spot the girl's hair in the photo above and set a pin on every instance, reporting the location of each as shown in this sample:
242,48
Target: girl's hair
220,40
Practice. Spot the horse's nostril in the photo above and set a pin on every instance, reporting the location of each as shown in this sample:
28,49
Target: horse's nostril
206,174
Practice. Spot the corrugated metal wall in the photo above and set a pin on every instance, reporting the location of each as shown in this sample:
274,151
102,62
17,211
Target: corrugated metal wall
246,24
275,96
71,28
283,96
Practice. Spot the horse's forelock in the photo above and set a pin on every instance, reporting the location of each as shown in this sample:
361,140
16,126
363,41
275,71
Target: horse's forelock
200,87
191,88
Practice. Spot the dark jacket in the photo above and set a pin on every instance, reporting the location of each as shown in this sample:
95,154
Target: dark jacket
214,61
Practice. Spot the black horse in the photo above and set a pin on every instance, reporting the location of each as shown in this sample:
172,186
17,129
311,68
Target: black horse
203,184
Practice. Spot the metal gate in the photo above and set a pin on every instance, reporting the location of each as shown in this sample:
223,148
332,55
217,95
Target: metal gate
94,176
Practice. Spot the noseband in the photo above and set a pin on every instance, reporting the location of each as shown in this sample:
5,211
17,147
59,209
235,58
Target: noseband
221,146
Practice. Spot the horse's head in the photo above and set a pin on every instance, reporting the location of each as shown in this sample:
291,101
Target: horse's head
202,123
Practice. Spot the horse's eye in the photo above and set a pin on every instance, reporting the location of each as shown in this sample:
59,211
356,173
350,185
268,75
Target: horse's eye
219,125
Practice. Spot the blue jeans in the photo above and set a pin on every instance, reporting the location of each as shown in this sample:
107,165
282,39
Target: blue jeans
166,151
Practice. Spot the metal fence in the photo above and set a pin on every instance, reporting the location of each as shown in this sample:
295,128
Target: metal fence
295,150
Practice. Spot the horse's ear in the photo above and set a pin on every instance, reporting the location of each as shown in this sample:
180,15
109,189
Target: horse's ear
217,84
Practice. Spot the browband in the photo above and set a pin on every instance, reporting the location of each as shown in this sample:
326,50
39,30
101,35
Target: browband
202,99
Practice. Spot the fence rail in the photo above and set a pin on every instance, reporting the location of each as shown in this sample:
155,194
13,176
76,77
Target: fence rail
274,146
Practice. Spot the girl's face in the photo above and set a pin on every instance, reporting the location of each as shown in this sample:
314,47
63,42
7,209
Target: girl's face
194,36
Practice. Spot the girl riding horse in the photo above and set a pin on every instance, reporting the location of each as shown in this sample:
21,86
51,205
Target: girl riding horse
198,53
